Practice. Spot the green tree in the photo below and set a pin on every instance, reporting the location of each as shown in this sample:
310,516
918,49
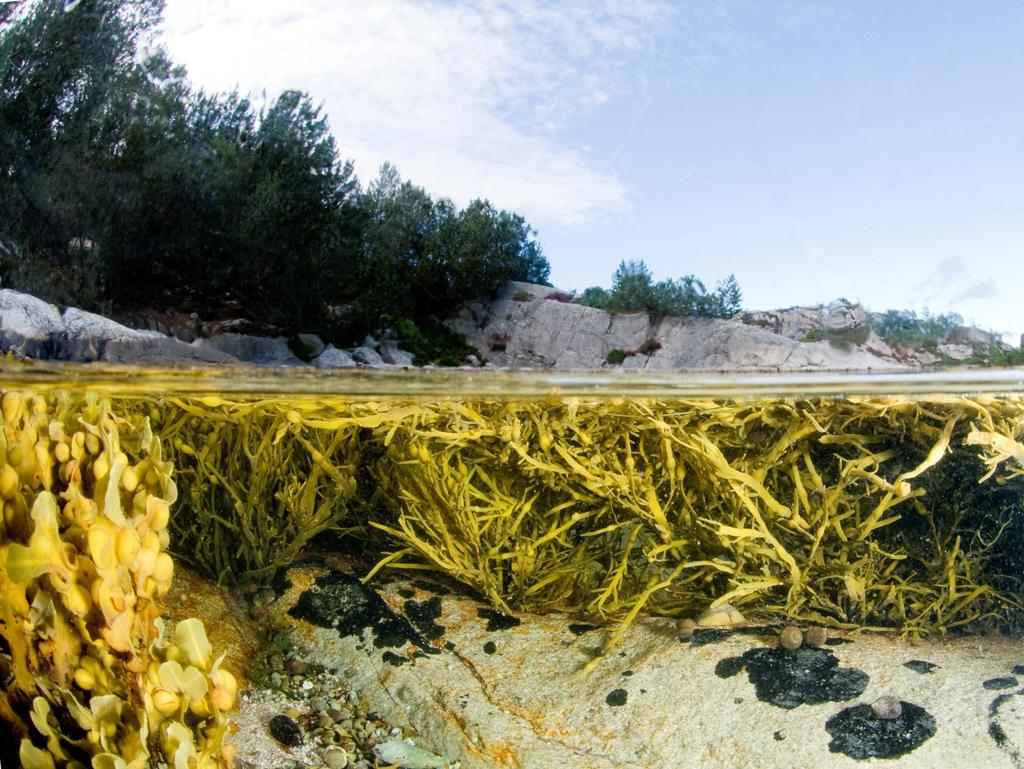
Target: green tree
634,289
60,74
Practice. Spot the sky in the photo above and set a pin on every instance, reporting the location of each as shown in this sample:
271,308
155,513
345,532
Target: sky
871,150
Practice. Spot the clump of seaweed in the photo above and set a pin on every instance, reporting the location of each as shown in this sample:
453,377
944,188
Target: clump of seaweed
86,503
789,508
893,514
258,479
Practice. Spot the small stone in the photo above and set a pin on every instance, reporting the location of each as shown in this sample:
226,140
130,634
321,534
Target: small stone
725,615
791,638
296,667
285,731
815,635
324,721
335,758
318,704
685,628
887,708
276,661
336,715
307,685
293,713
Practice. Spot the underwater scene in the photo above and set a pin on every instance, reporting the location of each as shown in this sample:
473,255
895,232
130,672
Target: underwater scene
488,569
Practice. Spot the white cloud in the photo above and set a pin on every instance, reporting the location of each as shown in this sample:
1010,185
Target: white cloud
467,99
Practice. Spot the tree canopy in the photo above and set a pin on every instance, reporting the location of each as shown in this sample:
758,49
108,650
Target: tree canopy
123,187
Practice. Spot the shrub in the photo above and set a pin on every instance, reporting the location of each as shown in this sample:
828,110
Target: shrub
433,344
615,357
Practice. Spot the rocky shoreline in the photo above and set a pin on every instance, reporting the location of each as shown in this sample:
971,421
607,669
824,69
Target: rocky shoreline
527,327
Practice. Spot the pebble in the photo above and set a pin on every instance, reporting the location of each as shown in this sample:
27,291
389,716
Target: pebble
319,704
324,721
887,708
285,731
296,667
335,758
307,685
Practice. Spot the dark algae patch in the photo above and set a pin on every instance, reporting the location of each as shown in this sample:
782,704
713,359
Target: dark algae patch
422,614
616,697
729,666
490,647
340,601
1002,682
579,628
1018,670
920,666
804,676
396,660
998,733
497,620
703,636
857,733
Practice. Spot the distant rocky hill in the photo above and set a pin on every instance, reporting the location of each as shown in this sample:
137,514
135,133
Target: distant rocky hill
540,327
527,326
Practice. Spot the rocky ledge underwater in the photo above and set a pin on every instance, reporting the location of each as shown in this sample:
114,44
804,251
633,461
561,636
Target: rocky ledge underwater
347,674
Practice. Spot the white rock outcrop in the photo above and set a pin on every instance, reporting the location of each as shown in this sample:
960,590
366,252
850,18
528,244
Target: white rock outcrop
28,326
524,328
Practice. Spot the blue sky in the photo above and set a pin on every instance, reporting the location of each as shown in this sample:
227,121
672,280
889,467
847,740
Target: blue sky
871,150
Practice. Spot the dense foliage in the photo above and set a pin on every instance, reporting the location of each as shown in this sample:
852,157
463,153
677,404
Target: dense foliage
122,187
908,329
634,289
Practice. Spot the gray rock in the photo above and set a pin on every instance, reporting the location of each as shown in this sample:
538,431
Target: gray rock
28,326
794,323
332,357
501,709
313,344
162,350
556,334
258,350
86,335
970,335
841,314
367,356
391,353
89,337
